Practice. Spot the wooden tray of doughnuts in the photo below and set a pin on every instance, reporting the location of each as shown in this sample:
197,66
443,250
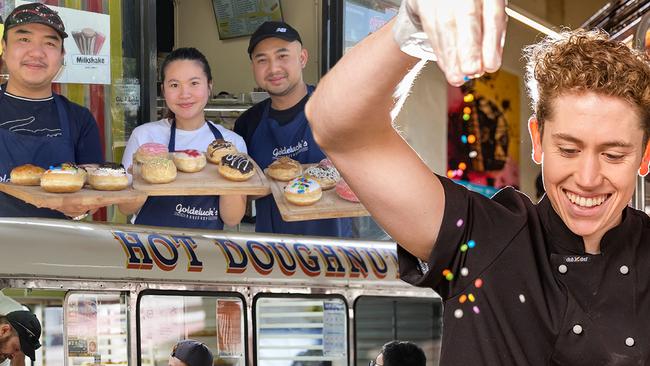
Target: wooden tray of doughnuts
36,196
330,206
207,182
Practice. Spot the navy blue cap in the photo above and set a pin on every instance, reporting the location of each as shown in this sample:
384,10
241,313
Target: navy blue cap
36,13
193,353
274,29
29,331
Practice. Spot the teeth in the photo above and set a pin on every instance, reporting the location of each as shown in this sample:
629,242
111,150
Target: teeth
586,202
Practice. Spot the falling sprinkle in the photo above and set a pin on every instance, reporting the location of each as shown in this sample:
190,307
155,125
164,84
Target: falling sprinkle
462,299
471,297
463,248
476,310
478,283
471,244
464,271
449,276
458,313
522,298
459,223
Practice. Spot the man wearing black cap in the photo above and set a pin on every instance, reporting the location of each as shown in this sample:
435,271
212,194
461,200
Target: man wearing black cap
19,335
190,353
278,127
38,126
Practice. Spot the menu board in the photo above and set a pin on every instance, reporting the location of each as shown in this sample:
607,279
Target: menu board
238,18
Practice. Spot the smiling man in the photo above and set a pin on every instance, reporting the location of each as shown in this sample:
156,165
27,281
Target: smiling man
277,127
38,126
562,282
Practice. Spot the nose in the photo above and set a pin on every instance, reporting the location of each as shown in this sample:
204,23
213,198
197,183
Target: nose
588,171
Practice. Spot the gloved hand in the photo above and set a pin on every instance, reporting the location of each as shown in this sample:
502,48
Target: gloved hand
465,36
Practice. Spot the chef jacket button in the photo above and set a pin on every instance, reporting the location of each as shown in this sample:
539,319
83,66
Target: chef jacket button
577,329
624,270
629,341
562,268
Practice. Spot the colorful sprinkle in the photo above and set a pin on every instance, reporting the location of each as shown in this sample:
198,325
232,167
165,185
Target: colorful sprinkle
473,154
459,223
462,299
449,276
463,248
471,297
458,313
471,244
522,298
464,271
478,283
476,310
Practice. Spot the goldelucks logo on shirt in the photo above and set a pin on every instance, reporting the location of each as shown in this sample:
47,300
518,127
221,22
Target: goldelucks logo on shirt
291,151
196,213
4,179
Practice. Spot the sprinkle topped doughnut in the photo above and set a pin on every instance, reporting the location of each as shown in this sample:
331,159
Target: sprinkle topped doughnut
109,169
326,175
149,151
302,185
65,168
237,161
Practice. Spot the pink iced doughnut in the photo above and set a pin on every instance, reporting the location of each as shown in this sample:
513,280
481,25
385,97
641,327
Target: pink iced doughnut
344,191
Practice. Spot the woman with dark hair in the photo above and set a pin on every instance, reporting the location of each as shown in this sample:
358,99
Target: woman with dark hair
186,87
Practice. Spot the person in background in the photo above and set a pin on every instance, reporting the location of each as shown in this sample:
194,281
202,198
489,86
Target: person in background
186,87
38,126
190,353
399,353
20,331
277,126
561,282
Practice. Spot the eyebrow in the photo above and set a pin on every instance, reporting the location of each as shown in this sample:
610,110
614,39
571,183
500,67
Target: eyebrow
577,141
191,79
49,36
279,50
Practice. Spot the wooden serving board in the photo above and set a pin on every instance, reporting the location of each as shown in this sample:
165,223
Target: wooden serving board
36,196
330,206
207,182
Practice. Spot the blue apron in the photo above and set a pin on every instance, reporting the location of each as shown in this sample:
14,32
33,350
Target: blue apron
16,149
295,140
200,212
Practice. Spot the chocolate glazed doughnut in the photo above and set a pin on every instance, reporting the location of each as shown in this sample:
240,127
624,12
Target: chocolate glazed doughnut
236,167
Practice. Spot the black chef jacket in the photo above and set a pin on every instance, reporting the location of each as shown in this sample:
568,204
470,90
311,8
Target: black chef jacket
539,299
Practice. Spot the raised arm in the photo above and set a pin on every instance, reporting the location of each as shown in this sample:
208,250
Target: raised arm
350,118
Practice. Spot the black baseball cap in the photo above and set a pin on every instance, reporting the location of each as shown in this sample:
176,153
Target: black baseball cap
273,29
193,353
36,13
29,331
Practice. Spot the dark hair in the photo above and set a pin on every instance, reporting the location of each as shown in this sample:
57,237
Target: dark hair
180,54
398,353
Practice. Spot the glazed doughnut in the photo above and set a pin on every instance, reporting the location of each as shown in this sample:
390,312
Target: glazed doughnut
303,191
149,151
344,191
326,175
284,169
218,148
158,171
65,178
189,161
108,177
237,167
26,175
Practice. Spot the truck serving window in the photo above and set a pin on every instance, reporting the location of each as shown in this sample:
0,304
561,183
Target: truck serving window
301,331
379,320
96,330
217,320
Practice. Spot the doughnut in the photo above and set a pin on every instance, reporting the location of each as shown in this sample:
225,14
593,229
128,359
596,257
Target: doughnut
326,175
237,167
158,170
108,177
218,148
189,161
284,169
150,150
65,178
303,191
344,191
26,175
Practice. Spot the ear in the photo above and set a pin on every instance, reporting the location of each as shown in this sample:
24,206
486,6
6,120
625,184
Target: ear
4,330
304,56
645,161
536,139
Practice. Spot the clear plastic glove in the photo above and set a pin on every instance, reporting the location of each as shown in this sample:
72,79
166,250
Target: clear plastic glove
465,36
